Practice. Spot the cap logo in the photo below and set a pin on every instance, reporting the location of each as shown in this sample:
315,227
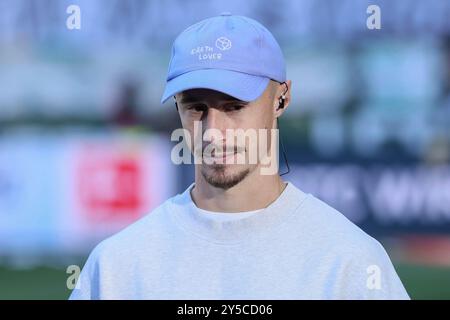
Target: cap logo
223,43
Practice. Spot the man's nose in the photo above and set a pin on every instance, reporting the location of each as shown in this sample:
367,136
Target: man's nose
214,119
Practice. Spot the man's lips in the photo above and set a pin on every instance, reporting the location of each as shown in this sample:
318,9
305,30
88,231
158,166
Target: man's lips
219,155
220,152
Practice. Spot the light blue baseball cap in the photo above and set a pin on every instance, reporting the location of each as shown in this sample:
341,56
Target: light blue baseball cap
229,53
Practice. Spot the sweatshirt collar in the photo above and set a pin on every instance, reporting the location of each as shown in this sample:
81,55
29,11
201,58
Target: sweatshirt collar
187,216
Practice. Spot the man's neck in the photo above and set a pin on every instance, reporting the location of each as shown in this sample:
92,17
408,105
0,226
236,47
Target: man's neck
254,192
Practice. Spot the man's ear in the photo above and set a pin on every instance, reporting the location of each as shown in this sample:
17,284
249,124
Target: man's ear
176,104
283,97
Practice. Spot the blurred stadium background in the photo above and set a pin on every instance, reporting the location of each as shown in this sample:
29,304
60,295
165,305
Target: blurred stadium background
85,144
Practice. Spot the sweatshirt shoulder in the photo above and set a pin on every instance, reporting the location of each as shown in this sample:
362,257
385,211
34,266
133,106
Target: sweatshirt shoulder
148,230
123,251
333,229
361,256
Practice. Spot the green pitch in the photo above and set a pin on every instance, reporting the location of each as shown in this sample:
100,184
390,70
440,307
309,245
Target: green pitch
421,282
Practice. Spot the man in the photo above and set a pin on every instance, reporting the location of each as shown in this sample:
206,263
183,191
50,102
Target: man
237,232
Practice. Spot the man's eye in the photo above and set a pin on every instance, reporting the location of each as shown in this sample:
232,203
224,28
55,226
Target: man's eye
234,107
196,108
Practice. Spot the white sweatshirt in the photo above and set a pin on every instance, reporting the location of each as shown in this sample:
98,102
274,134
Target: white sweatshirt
296,248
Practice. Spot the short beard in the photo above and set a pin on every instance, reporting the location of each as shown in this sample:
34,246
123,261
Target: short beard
219,180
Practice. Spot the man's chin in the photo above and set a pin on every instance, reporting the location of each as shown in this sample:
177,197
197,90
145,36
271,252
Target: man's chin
223,176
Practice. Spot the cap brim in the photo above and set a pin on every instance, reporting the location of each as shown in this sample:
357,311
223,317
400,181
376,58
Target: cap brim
240,85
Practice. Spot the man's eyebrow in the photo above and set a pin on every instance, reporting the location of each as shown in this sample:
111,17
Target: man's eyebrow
188,99
193,99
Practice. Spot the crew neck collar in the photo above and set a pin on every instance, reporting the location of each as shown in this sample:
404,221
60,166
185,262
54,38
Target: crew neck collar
188,217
